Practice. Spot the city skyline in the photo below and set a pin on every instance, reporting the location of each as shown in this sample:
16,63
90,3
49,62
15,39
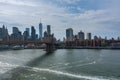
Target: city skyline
98,17
30,34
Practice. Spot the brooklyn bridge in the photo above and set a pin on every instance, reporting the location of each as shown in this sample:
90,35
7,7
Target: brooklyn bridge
49,42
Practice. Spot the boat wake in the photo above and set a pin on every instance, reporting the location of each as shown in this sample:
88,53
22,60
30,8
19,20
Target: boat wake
68,74
69,65
4,67
58,65
7,67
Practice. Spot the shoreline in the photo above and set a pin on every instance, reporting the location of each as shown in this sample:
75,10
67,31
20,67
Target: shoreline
88,47
69,47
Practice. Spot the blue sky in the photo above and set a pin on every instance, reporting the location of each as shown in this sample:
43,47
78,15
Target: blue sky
100,17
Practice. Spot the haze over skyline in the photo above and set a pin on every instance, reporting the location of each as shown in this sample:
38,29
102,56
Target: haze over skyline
100,17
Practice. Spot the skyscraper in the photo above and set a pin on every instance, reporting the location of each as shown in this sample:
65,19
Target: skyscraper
48,29
88,36
16,35
33,33
15,30
1,38
69,34
28,31
45,34
25,35
4,33
40,30
81,36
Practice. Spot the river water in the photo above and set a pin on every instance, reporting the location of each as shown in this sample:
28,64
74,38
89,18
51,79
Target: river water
63,64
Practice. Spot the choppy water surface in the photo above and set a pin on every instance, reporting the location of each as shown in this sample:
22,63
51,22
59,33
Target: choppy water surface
74,64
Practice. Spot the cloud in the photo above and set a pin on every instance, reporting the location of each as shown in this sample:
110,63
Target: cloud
97,16
17,2
69,1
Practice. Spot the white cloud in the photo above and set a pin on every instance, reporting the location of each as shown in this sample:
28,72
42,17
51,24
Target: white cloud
17,2
70,1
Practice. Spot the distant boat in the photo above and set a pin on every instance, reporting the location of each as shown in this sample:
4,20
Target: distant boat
17,47
30,46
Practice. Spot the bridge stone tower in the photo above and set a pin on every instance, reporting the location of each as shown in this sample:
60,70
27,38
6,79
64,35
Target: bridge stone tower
49,40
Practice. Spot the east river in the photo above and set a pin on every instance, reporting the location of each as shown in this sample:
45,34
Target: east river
63,64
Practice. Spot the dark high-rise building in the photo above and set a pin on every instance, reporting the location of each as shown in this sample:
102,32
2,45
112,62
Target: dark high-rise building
40,31
48,29
28,30
33,33
45,34
25,35
69,34
1,34
16,35
4,33
15,30
36,36
81,36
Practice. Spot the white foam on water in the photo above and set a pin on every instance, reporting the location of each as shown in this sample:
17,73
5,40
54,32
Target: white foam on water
65,64
68,74
10,57
4,67
69,66
86,64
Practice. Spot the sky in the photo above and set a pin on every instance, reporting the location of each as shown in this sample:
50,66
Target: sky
100,17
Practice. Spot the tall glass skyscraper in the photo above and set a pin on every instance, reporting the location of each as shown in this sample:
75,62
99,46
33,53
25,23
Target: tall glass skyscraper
33,33
69,34
48,30
28,30
40,30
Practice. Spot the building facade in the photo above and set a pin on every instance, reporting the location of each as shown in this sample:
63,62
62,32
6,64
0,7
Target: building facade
4,33
40,31
81,36
25,35
89,36
16,35
28,31
69,34
33,33
48,29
